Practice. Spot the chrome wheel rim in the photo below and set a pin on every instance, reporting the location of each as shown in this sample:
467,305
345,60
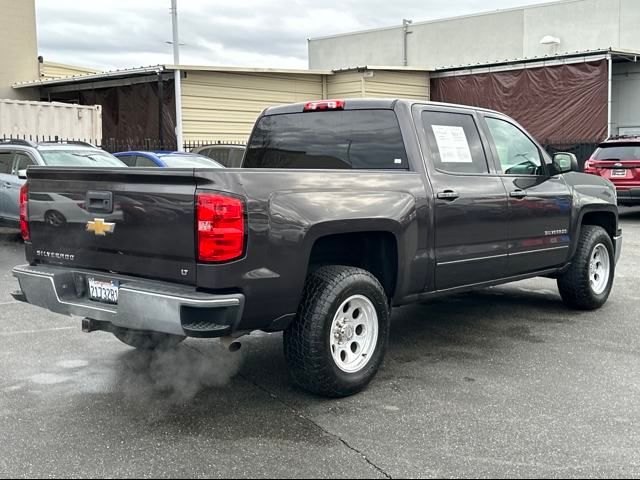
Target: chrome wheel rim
354,334
599,269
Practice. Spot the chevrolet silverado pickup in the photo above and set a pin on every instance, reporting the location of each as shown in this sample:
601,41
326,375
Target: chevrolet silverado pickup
341,211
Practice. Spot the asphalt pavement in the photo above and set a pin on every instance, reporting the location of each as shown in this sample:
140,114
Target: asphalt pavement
504,382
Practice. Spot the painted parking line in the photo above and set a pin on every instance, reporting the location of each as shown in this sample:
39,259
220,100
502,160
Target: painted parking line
8,303
40,330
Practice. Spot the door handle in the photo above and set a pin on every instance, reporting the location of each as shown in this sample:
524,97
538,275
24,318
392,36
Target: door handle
448,195
7,185
518,194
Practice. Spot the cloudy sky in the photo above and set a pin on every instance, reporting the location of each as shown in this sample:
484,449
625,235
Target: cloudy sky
125,33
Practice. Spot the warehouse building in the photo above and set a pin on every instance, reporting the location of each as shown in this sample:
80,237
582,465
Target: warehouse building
219,104
568,71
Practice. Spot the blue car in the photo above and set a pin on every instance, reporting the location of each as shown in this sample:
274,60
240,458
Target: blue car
167,160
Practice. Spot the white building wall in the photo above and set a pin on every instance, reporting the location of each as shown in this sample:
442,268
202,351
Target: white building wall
514,34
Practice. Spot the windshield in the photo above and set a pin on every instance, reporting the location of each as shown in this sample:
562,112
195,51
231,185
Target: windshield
188,161
618,152
79,158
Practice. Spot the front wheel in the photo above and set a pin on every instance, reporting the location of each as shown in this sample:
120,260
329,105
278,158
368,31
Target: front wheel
147,341
337,343
588,282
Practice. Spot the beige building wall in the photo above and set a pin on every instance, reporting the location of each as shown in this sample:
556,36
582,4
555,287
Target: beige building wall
378,83
51,70
221,106
19,46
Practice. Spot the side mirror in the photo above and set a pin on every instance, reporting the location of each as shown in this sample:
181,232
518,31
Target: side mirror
22,174
566,162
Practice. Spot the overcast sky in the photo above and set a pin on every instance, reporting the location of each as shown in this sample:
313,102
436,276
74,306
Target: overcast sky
128,33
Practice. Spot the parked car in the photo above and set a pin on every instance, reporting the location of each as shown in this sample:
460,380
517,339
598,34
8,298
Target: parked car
228,155
342,210
618,160
166,160
18,155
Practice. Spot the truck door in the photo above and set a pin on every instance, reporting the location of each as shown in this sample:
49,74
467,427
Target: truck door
539,203
471,202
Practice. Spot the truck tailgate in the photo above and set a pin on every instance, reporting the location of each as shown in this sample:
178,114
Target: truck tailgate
127,221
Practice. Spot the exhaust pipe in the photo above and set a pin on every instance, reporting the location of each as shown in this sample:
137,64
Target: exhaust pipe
231,343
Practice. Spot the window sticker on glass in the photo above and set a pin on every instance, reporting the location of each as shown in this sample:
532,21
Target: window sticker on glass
453,144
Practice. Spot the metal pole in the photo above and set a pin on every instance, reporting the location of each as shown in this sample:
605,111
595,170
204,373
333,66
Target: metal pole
178,75
405,38
610,100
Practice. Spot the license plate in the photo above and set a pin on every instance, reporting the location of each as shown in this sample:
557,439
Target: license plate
619,173
105,292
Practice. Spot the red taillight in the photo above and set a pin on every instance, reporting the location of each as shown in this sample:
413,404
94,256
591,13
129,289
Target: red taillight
24,212
324,105
589,167
220,227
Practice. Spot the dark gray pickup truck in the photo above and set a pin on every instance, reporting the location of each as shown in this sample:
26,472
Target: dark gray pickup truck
342,210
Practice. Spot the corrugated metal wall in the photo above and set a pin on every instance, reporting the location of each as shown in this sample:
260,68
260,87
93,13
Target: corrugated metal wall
220,106
50,70
385,84
223,106
21,119
379,84
345,85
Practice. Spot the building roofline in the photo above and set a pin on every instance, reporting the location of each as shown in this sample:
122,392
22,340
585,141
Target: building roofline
445,19
91,77
211,68
546,58
158,69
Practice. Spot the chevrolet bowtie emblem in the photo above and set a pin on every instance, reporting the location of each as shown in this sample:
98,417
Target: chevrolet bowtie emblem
100,227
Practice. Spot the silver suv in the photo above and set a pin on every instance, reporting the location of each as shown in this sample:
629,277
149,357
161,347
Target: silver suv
18,155
228,155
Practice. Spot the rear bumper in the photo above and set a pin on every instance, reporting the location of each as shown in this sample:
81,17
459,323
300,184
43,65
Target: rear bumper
628,196
617,245
142,305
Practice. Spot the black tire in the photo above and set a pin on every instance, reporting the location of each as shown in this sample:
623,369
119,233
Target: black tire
307,346
147,341
574,284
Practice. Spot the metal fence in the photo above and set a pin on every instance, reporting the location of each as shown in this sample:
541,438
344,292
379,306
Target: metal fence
583,150
113,145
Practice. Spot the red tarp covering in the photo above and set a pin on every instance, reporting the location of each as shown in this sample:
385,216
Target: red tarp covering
558,104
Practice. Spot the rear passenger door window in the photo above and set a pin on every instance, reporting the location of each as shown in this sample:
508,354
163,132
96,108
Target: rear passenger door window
144,162
128,160
21,161
455,143
6,160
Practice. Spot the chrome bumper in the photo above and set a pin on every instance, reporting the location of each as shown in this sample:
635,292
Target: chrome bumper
617,245
142,305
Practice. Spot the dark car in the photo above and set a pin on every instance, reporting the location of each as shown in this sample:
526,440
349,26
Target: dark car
342,210
618,160
166,160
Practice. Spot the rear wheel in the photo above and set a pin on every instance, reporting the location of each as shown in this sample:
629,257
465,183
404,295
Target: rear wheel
588,282
147,341
338,341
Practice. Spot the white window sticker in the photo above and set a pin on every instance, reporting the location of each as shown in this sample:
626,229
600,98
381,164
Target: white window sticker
453,144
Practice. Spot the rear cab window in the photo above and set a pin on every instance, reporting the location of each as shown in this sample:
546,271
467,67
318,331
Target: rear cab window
345,139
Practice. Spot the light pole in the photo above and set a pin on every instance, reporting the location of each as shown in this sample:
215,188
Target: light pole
178,75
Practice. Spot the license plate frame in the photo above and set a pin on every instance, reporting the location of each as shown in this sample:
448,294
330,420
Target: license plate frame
618,173
103,291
